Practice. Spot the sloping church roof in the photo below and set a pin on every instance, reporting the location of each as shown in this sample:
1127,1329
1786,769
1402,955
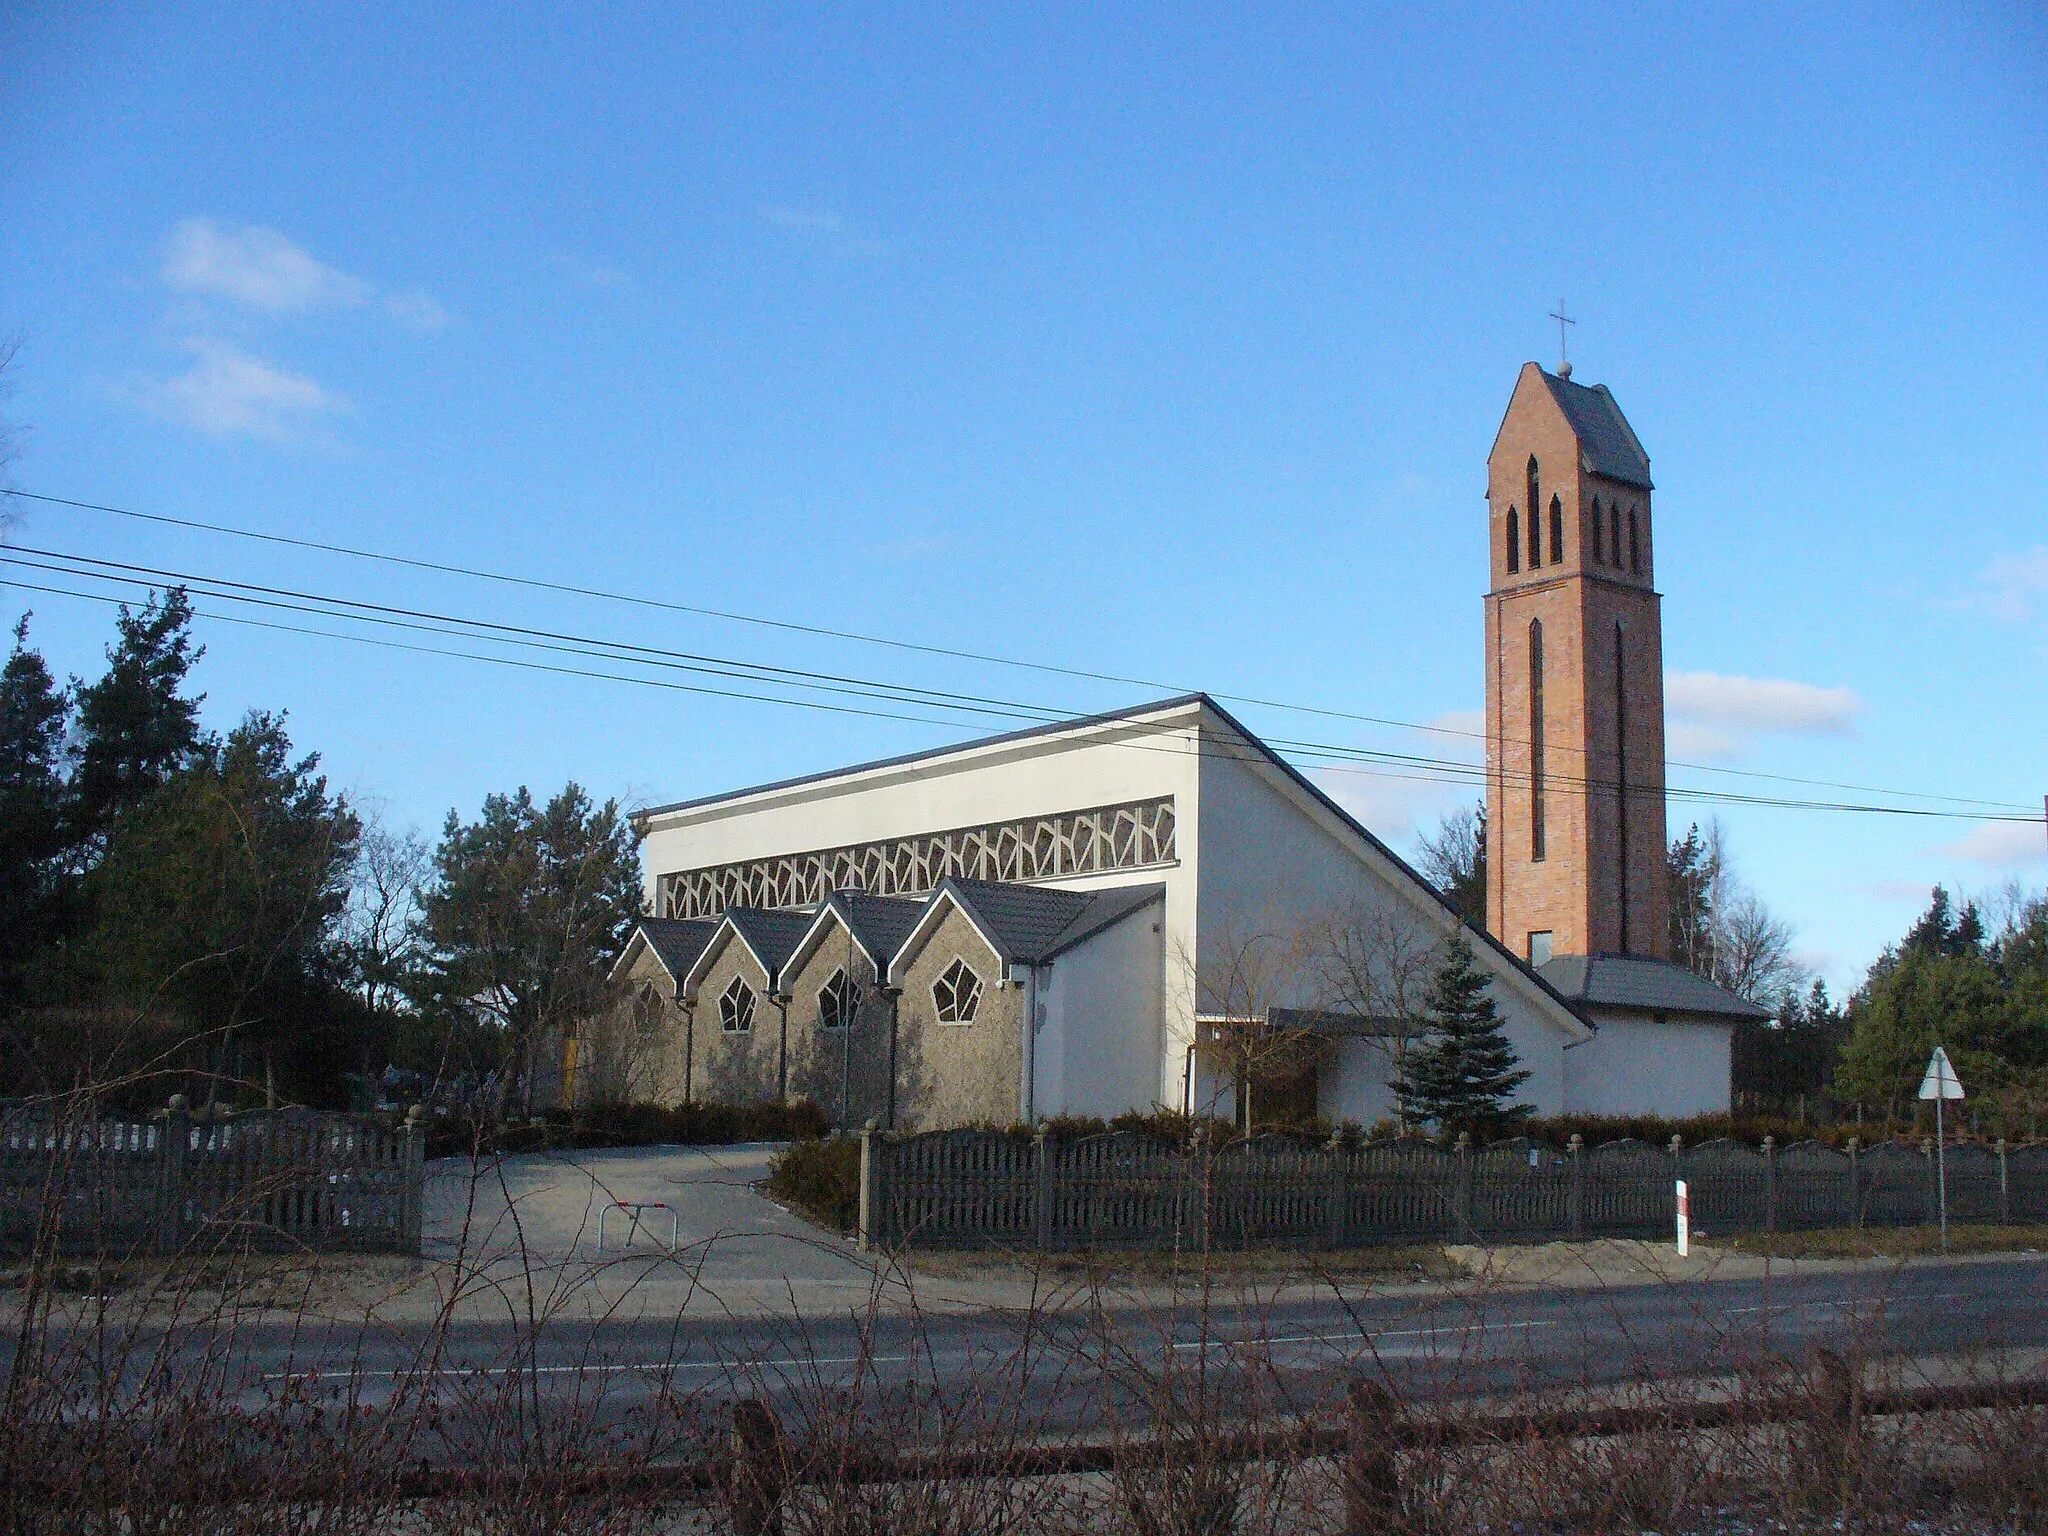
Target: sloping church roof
1203,701
1644,986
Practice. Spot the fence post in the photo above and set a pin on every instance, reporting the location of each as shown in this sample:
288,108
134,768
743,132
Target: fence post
1677,1150
1575,1202
1041,1191
1198,1147
413,1162
171,1192
1371,1464
1770,1183
2004,1188
1466,1227
760,1464
870,1236
1855,1183
1836,1391
1337,1186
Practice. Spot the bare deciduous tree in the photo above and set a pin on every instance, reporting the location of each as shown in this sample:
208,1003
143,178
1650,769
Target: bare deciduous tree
380,927
1753,951
1375,962
1247,976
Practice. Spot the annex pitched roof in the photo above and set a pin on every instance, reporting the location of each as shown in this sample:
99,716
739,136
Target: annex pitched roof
674,942
879,925
1644,986
1026,924
769,935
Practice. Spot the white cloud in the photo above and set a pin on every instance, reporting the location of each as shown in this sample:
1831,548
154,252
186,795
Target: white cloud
1469,723
826,227
257,267
2015,587
2002,843
1691,743
1391,807
416,309
229,393
1710,715
595,274
264,270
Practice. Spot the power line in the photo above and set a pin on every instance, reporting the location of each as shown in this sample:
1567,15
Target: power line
791,626
322,605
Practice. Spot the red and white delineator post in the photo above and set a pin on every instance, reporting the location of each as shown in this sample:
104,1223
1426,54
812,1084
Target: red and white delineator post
1684,1220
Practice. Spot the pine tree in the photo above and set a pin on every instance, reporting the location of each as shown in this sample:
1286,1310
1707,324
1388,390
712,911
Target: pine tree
32,718
1462,1076
135,728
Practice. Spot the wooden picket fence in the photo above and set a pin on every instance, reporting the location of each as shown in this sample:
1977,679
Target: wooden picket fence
976,1189
73,1183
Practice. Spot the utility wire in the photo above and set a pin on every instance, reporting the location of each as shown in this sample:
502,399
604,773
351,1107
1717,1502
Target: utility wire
325,606
791,626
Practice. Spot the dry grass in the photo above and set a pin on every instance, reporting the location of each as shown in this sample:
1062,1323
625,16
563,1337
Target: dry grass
1884,1242
1419,1261
113,1426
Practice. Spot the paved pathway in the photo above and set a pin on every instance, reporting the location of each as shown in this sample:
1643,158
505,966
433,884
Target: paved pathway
738,1253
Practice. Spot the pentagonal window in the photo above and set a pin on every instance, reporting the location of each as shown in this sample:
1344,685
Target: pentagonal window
736,1007
838,1001
956,994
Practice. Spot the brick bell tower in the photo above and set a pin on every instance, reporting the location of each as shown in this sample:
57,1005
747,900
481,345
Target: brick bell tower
1574,680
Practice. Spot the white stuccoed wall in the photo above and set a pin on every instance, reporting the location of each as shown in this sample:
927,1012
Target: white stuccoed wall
1272,856
1102,1020
1253,848
1637,1066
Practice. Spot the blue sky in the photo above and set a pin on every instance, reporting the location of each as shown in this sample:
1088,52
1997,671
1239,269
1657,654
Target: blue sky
1162,344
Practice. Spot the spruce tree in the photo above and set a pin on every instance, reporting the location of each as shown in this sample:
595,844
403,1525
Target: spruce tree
135,727
32,720
1463,1074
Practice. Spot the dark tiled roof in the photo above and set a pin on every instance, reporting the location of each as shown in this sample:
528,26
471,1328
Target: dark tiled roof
1105,909
677,942
1024,920
1031,924
771,935
1646,986
1607,443
880,923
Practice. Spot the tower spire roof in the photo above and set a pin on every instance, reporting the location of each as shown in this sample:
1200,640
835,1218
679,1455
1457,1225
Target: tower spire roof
1608,445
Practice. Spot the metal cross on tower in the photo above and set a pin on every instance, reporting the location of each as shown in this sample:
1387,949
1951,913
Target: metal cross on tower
1564,359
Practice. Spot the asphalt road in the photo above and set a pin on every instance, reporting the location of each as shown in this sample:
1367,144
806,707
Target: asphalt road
1066,1371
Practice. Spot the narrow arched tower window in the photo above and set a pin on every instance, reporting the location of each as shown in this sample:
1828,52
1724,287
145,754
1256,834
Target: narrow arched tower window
1535,515
1556,531
1514,541
1614,536
1536,739
1635,554
1599,546
1621,774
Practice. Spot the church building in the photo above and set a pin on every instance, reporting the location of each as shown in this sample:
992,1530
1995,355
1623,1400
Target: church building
1078,919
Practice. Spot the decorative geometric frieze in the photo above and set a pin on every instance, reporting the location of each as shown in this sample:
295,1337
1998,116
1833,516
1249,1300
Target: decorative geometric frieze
1137,835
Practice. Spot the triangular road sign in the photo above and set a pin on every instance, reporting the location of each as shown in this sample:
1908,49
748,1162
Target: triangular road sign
1941,1081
